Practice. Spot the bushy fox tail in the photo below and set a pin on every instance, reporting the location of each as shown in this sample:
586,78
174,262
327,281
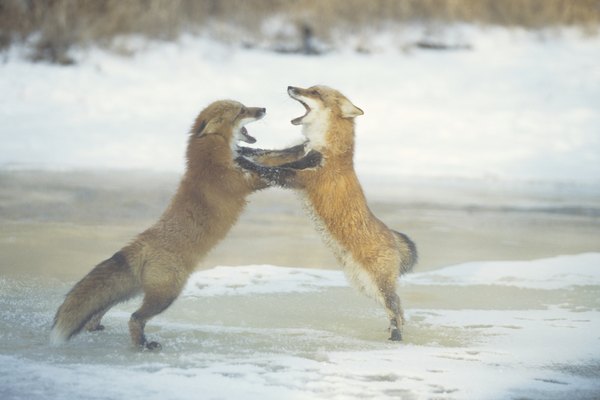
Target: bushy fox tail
109,283
409,252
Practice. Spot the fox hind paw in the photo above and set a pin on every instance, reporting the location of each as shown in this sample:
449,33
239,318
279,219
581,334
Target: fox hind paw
95,328
153,346
395,335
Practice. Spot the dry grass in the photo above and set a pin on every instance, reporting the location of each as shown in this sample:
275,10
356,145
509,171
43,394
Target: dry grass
57,25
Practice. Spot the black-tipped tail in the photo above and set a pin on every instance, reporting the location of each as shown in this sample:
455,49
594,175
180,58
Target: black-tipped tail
109,283
409,252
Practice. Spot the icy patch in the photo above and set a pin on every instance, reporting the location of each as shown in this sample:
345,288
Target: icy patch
552,273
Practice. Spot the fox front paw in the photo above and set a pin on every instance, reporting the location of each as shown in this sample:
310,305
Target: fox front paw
311,160
247,164
250,151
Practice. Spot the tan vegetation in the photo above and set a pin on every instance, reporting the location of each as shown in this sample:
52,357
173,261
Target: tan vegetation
60,24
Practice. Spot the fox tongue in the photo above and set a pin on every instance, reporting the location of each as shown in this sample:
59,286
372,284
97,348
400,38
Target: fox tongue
246,137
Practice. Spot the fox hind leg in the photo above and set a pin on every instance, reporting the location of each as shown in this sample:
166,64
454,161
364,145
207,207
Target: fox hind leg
395,314
158,296
383,289
389,299
153,304
379,283
94,323
161,286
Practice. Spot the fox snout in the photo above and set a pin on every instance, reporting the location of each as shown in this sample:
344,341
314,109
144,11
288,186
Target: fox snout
260,112
247,115
254,113
296,92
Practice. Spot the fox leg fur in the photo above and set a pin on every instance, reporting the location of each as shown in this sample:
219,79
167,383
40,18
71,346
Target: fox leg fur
152,305
284,174
391,302
273,158
159,293
395,314
94,323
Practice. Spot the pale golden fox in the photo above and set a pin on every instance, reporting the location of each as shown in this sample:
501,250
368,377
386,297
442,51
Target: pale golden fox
373,255
210,197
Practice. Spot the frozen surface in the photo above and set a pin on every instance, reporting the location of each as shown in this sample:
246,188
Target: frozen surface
267,332
517,106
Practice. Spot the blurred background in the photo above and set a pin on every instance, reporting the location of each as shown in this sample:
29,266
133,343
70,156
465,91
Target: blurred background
54,27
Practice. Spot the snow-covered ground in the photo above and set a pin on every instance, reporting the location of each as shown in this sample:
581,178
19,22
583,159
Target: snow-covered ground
266,332
517,106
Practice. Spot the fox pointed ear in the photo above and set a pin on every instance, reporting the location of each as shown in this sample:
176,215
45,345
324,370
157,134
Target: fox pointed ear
349,110
199,128
202,127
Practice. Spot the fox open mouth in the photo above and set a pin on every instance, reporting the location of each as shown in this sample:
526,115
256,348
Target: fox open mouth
245,137
257,113
298,121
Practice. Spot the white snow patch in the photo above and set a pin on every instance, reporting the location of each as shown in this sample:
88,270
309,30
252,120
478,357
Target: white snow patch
552,273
